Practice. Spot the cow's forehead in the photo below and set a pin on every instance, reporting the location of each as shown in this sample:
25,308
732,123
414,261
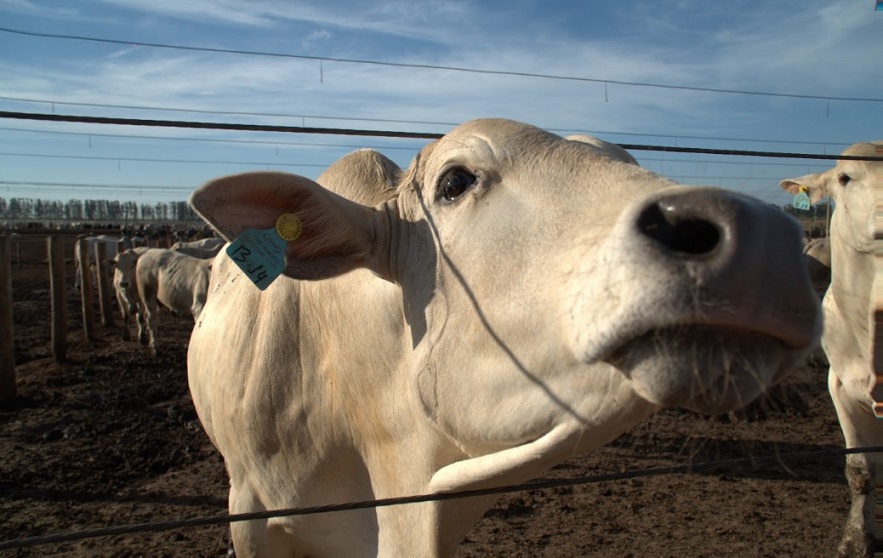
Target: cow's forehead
869,149
496,127
486,141
864,149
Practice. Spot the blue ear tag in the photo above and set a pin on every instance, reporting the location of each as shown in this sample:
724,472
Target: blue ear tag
801,200
260,253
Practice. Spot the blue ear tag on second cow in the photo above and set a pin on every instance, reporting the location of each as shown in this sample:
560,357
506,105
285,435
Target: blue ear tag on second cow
260,253
801,200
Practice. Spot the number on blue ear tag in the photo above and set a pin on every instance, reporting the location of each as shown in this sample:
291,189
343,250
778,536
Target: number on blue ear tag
801,201
260,254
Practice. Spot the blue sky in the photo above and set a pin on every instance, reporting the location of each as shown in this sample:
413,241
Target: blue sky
818,48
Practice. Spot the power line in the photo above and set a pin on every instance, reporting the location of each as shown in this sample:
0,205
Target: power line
360,146
210,140
711,162
157,160
435,67
215,125
303,118
387,133
228,112
707,177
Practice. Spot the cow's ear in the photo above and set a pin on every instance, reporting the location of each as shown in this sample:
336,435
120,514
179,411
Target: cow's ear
810,183
337,235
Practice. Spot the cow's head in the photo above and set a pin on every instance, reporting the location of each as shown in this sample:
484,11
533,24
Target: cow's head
123,266
553,287
852,184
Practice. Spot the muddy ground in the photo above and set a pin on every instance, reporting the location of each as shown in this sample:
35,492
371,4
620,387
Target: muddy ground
110,438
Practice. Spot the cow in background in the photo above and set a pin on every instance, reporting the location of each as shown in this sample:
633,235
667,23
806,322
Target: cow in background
110,243
177,281
847,340
125,286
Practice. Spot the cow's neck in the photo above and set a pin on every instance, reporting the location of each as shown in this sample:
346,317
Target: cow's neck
849,296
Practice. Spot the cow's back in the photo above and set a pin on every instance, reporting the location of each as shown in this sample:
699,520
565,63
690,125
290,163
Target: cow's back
238,315
178,281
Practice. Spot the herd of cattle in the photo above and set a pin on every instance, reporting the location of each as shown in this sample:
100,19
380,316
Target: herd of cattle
144,278
461,324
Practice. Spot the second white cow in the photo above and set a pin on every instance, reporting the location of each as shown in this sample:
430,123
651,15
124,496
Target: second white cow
110,244
510,301
849,315
177,281
125,286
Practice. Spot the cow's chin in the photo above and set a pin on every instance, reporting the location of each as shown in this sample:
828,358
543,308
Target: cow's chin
703,369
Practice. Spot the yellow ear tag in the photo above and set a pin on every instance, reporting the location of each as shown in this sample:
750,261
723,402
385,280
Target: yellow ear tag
288,226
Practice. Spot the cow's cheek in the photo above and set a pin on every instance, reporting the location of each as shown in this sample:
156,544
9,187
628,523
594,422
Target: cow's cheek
484,400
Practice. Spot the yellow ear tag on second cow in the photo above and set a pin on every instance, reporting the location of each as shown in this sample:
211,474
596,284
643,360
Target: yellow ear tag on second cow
288,226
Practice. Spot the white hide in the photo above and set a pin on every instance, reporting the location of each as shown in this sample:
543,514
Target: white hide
511,300
849,317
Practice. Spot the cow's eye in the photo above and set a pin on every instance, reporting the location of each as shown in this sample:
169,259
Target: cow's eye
843,179
454,182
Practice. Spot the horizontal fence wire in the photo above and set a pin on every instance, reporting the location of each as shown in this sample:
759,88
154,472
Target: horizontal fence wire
385,133
437,497
213,125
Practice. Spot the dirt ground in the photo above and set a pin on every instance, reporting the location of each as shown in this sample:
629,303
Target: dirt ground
110,438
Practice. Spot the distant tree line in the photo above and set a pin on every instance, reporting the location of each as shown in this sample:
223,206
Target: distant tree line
94,210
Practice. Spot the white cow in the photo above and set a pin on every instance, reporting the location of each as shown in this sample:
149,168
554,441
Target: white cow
203,248
177,281
849,314
485,318
110,243
125,286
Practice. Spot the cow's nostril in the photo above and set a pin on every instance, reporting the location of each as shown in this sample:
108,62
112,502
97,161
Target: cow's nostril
689,235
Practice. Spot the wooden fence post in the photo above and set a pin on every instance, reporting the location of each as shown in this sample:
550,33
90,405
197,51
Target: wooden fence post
7,347
104,286
85,272
58,288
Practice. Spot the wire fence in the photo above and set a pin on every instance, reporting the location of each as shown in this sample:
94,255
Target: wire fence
438,497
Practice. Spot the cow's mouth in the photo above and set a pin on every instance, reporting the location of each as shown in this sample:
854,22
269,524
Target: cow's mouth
708,369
